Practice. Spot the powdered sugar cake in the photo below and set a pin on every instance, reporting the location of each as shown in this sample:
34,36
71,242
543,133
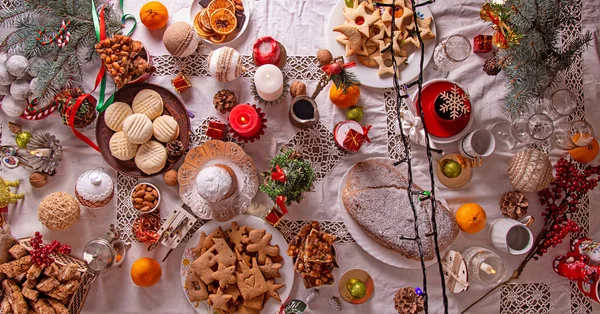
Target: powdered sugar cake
376,197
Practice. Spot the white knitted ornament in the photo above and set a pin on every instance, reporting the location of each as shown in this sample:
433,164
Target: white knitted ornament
225,64
20,89
4,90
13,107
5,77
17,65
530,170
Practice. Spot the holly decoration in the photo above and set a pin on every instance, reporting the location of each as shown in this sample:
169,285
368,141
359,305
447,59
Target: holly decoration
42,253
287,177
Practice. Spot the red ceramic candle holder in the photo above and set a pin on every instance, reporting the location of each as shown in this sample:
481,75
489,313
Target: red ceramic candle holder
239,138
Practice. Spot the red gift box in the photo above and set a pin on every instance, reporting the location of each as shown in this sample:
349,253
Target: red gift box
354,140
482,43
216,130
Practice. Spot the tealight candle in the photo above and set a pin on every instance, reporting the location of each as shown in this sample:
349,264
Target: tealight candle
269,82
266,51
484,266
245,120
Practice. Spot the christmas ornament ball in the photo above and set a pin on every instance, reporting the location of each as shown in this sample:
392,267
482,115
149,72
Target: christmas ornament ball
225,64
357,288
451,168
355,113
23,138
17,65
180,39
5,77
3,58
94,188
13,107
58,211
4,90
530,170
20,89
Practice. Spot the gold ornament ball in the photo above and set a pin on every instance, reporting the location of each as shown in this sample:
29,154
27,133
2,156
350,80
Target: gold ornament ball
357,288
451,169
38,179
170,178
23,139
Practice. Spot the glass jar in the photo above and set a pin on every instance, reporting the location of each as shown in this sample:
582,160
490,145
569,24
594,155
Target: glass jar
484,266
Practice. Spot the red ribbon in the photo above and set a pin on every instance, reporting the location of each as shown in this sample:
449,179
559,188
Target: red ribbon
278,174
496,21
280,201
366,133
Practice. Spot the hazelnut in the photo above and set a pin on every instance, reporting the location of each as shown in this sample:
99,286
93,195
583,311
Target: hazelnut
324,56
170,177
38,179
297,89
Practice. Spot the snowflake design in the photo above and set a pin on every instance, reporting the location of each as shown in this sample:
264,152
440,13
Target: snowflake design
454,102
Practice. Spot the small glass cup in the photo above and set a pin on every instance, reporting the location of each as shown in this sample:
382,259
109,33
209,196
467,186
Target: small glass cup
563,102
537,127
451,52
572,135
484,266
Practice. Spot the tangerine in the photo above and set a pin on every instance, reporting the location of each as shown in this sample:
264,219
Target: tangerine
471,218
154,15
584,154
145,272
344,98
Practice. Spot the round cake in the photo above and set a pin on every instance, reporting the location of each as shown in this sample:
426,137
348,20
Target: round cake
374,190
216,183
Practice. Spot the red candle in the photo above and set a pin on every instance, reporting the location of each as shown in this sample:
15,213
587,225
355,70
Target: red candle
245,120
266,51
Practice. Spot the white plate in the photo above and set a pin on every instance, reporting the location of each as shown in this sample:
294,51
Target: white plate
196,7
368,76
286,270
451,139
375,249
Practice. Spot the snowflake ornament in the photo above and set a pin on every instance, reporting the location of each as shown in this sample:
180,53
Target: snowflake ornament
454,103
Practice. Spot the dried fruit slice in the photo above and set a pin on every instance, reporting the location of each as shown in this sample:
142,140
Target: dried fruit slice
205,18
200,29
220,4
217,38
223,21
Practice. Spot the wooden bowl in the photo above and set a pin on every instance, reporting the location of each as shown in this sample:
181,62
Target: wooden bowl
172,107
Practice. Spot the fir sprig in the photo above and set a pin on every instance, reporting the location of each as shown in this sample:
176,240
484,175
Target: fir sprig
345,79
299,177
62,67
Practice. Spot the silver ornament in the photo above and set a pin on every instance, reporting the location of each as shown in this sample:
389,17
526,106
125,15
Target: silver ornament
13,107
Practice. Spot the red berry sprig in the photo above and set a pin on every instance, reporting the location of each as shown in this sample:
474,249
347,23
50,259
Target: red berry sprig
561,199
42,253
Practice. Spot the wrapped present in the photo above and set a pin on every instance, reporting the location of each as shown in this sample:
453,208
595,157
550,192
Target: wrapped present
181,83
482,43
216,130
354,140
350,135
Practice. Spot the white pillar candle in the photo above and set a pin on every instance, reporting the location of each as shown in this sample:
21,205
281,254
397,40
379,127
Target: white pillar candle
269,82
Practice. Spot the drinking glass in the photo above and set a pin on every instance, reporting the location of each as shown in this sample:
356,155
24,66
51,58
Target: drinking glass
503,135
484,266
573,134
448,55
563,102
537,127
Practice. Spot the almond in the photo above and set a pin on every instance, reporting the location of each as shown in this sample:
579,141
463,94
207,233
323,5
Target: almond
149,198
145,209
139,194
155,193
138,200
148,204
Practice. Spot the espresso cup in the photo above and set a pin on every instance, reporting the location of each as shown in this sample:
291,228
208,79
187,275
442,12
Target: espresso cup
511,236
479,143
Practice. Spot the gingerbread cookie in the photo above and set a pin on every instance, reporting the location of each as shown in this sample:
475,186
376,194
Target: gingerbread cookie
224,254
202,266
270,269
199,249
219,300
255,303
273,287
195,286
251,281
224,275
260,243
235,236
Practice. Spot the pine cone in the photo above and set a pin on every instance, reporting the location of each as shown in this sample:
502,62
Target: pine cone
491,66
407,301
224,100
14,128
514,204
174,150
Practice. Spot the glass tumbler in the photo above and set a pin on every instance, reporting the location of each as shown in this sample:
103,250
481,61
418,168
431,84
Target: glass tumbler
451,52
484,266
573,134
563,102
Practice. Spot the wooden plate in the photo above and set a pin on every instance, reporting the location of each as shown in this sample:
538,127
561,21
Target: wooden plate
172,107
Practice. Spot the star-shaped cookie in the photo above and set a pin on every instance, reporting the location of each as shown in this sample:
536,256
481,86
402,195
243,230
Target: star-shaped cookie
224,275
410,35
219,300
352,36
273,287
270,269
360,19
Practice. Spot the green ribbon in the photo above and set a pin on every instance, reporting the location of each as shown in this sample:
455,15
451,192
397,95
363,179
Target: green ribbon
102,104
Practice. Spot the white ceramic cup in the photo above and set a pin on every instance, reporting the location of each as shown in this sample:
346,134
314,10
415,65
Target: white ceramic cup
511,236
479,143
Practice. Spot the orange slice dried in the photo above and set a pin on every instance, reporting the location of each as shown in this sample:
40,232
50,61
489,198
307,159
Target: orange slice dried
217,38
200,29
223,21
220,4
205,18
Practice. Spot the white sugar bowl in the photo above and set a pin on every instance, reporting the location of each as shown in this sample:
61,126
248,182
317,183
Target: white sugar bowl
94,188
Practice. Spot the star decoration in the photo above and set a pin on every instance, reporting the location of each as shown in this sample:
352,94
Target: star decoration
360,19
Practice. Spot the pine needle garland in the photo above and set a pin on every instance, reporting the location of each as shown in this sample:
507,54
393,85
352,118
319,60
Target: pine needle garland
299,177
61,67
534,64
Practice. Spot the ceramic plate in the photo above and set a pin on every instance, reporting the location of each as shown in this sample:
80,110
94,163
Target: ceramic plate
172,106
375,249
452,138
237,33
368,76
286,270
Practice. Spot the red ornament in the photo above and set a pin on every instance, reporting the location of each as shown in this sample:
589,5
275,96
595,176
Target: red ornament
278,174
482,43
216,130
266,50
242,134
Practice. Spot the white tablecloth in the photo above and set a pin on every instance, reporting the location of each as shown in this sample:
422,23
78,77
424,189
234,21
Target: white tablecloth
299,26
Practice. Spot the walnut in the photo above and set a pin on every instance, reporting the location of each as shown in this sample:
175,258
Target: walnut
297,89
324,56
38,179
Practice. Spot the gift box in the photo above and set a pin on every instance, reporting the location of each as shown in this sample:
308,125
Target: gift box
181,83
482,43
354,140
216,130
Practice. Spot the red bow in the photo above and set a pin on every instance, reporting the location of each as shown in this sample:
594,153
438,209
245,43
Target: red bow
280,201
278,174
366,133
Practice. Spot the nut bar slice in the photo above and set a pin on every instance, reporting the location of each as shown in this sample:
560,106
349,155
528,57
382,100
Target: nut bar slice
47,284
58,307
30,293
5,306
68,272
317,247
17,267
42,307
34,271
116,53
298,242
64,290
17,251
15,297
52,270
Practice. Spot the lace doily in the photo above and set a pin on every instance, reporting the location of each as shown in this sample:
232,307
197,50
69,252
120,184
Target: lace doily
395,146
525,298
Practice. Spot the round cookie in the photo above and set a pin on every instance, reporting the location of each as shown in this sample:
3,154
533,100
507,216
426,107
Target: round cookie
115,115
151,157
165,128
137,128
148,102
121,148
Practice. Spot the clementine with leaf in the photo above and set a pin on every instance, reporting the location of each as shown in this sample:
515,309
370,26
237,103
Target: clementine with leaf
344,98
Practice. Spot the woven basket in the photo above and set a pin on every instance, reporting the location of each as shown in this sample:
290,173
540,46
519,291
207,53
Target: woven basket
78,298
